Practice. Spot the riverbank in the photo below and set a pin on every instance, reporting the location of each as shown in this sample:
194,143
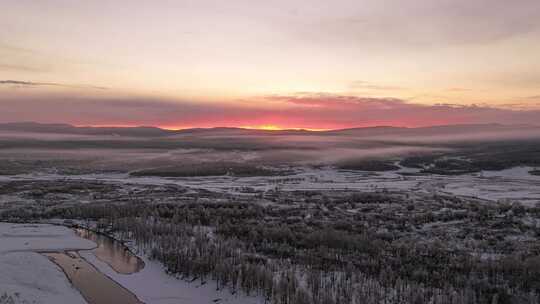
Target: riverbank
50,264
29,277
152,285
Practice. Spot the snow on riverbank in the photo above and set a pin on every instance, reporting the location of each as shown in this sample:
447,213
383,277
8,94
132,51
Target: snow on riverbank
27,276
153,286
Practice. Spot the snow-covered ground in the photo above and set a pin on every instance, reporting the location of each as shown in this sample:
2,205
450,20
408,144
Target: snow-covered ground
514,184
518,173
153,286
29,277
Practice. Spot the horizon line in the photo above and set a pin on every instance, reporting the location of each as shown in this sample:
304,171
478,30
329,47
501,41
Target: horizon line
267,128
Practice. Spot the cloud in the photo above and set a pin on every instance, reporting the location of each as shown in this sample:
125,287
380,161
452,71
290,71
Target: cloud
361,111
27,83
333,101
19,83
317,111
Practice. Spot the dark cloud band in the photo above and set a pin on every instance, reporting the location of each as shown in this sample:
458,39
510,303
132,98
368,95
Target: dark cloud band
317,111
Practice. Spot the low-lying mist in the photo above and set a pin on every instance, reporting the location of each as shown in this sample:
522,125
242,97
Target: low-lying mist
224,150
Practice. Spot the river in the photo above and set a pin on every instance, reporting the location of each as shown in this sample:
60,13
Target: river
94,286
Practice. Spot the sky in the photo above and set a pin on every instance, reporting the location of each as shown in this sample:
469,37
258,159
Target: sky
311,64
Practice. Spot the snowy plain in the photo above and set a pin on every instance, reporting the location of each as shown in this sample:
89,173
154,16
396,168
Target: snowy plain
515,184
23,269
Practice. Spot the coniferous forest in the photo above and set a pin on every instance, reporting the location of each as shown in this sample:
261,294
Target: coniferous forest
312,246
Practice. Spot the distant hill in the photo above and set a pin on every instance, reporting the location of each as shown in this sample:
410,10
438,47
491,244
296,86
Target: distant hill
143,131
443,130
33,127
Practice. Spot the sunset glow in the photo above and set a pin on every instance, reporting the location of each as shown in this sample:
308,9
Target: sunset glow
280,65
264,127
282,151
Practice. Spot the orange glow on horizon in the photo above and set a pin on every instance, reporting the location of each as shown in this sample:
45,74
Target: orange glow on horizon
266,127
278,128
270,128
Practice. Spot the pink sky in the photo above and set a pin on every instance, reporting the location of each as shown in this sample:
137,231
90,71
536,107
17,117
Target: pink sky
320,111
291,64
